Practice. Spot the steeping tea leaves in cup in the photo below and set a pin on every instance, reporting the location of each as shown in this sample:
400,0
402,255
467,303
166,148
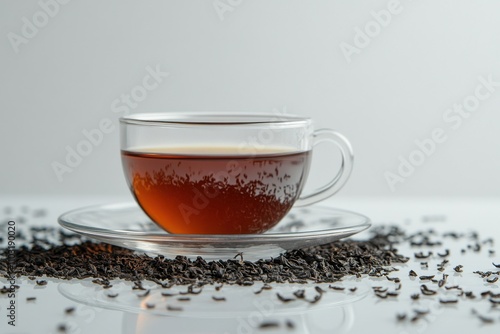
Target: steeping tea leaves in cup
219,190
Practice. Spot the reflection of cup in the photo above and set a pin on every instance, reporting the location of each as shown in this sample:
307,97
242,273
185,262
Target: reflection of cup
339,320
242,311
223,173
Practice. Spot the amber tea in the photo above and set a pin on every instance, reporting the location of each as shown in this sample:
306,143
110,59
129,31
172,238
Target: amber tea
215,190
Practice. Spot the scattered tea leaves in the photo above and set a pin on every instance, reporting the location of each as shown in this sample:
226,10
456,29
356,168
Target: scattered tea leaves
494,301
74,256
174,308
421,255
269,324
168,294
62,328
284,299
262,288
426,291
492,280
448,301
300,294
145,294
69,310
219,299
445,254
316,299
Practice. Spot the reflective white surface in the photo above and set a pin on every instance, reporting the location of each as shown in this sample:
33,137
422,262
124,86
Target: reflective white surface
243,311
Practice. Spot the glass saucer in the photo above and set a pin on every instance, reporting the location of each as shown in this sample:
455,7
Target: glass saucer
126,225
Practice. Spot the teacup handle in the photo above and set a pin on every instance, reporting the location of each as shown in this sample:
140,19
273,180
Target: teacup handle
322,135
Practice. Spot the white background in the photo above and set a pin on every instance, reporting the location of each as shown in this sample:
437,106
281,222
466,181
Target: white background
263,55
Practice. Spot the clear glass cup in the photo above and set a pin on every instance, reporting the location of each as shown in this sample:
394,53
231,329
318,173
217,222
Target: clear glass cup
223,173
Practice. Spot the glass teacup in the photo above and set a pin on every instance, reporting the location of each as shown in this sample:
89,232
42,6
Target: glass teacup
223,173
